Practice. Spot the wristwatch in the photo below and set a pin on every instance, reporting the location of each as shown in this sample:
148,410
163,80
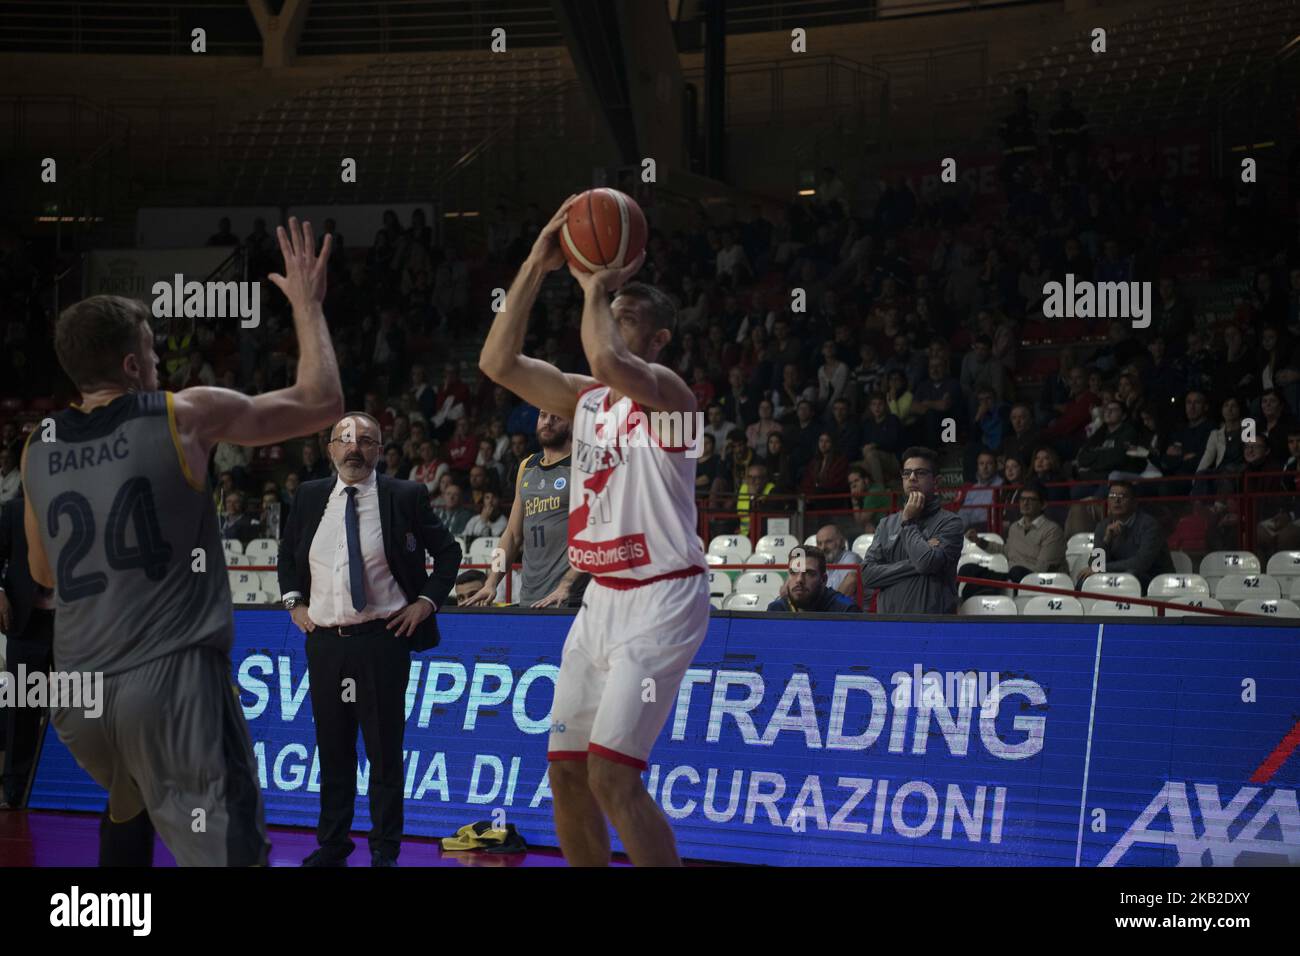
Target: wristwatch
290,603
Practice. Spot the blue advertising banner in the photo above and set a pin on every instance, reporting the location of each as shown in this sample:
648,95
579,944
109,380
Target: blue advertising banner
953,742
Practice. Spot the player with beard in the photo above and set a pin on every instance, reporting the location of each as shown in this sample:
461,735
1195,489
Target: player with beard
632,525
539,526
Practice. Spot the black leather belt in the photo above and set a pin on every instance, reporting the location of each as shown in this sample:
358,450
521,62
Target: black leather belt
355,630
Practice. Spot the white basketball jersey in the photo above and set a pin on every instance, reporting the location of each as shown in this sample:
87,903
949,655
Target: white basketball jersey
632,505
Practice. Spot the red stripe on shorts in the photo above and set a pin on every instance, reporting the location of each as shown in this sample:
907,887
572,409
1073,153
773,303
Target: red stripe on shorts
627,584
616,757
567,755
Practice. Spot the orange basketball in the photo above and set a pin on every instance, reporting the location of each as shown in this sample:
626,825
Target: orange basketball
605,229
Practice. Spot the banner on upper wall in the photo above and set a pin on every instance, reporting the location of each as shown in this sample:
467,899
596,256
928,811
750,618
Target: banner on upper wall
133,272
792,743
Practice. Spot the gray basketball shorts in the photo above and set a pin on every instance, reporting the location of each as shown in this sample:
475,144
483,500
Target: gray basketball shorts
172,741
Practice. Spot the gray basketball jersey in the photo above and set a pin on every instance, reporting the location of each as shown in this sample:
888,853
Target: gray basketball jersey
120,518
545,493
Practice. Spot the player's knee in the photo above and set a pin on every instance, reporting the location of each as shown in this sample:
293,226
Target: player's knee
568,776
611,783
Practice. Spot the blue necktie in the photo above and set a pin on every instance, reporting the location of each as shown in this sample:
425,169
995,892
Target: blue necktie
356,571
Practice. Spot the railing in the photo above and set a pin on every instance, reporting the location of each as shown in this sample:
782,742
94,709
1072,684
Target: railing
763,92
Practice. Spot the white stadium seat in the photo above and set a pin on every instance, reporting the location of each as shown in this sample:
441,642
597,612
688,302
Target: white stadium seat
1043,579
1115,584
263,550
1166,586
760,559
777,545
712,560
862,543
1080,543
1182,563
989,562
1235,588
1294,588
810,541
1274,607
237,561
735,548
241,581
992,537
232,546
1052,604
744,602
270,584
480,550
766,584
715,602
1219,564
719,584
1284,564
1192,601
251,597
983,605
1120,609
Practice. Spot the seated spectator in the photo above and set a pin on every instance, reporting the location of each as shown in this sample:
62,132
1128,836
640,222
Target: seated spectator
454,515
1023,437
468,584
429,468
1130,539
269,519
737,401
736,461
1013,476
233,458
1068,429
936,398
486,459
194,372
806,587
751,492
1223,451
514,455
844,430
489,522
393,464
1281,530
980,369
1034,544
223,236
1106,451
235,525
826,474
978,498
756,434
831,542
1187,443
462,447
881,429
898,396
1047,472
313,465
868,377
1275,421
481,481
913,557
832,375
989,425
708,467
870,501
780,468
718,427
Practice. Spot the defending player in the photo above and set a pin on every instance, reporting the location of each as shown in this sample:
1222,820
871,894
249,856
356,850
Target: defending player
118,502
632,526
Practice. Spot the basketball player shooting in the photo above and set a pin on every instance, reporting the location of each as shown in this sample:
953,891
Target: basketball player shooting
632,527
119,503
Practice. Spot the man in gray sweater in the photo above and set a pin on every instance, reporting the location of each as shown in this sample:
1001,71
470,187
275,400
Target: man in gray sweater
913,559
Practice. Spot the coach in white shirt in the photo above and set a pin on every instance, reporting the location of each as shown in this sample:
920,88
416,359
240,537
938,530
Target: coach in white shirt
354,546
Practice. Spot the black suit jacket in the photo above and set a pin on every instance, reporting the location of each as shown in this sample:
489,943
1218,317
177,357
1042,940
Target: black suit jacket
409,528
15,576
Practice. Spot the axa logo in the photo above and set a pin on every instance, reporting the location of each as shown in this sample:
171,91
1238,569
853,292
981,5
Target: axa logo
1242,831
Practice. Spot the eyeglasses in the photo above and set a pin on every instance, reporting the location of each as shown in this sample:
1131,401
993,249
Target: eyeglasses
1119,497
919,472
365,444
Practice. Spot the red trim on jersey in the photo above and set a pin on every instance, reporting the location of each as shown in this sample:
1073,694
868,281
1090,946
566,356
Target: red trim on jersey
627,584
590,388
566,755
617,757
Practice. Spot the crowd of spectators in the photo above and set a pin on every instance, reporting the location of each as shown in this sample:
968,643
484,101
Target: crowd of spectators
822,339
